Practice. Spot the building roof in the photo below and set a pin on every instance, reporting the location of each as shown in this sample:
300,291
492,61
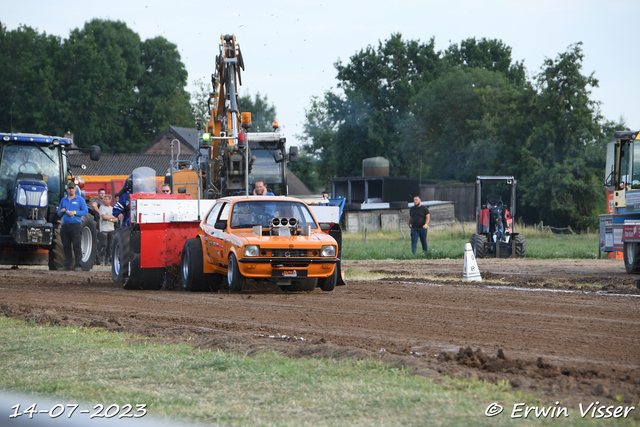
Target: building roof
185,135
120,164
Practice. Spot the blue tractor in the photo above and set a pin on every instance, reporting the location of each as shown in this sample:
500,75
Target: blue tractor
34,170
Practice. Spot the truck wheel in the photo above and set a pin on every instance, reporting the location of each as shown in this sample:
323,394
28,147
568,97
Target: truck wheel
234,277
125,267
89,243
482,243
56,253
521,246
119,263
191,267
328,284
631,258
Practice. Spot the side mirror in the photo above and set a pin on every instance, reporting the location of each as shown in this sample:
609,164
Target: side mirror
182,190
95,153
293,154
277,156
220,225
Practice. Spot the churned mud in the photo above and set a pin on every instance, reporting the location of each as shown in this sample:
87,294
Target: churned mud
562,329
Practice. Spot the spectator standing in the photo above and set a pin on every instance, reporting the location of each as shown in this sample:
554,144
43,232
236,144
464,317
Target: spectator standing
166,189
419,218
72,209
107,230
96,202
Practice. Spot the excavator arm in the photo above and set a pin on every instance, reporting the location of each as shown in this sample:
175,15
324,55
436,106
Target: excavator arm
229,158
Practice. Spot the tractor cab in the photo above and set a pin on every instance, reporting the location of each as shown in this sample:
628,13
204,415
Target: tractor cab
623,171
30,191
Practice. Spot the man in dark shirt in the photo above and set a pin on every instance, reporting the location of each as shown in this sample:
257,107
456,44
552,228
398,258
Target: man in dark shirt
419,218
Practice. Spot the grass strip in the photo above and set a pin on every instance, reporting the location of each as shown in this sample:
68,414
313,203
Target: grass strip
181,382
450,243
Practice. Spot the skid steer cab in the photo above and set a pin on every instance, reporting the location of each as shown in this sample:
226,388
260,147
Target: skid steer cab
33,173
495,235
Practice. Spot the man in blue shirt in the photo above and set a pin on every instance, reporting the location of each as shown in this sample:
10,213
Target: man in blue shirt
72,209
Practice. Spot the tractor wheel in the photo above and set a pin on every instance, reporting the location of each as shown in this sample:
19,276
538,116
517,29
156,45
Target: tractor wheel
328,284
234,277
521,246
89,243
56,253
482,243
118,262
192,277
632,258
126,271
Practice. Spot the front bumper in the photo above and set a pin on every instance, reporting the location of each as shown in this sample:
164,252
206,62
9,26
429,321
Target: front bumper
283,268
30,232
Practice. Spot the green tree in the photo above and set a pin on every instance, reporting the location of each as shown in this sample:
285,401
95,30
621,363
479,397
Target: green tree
378,84
100,80
564,150
263,114
29,88
488,54
161,97
457,124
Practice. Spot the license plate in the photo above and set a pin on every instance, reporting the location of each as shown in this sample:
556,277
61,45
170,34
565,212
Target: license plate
289,273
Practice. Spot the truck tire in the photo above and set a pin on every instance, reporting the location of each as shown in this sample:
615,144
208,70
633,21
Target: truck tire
126,270
56,253
191,275
119,259
482,243
328,284
521,246
632,257
234,277
88,242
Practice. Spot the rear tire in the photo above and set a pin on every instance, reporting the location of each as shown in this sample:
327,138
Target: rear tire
328,284
521,246
632,258
191,275
119,260
125,266
234,277
89,243
482,244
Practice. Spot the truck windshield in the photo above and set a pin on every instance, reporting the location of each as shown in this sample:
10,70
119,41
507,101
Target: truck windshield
29,159
266,168
254,212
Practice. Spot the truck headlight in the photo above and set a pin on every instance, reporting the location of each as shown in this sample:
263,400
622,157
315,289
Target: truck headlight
328,251
251,250
22,197
44,200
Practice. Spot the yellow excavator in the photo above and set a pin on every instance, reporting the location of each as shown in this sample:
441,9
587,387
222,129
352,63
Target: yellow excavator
228,153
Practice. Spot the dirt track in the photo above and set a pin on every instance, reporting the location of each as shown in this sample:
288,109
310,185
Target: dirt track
563,329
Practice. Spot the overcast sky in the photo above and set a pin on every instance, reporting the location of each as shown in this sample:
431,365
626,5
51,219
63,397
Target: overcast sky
289,47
